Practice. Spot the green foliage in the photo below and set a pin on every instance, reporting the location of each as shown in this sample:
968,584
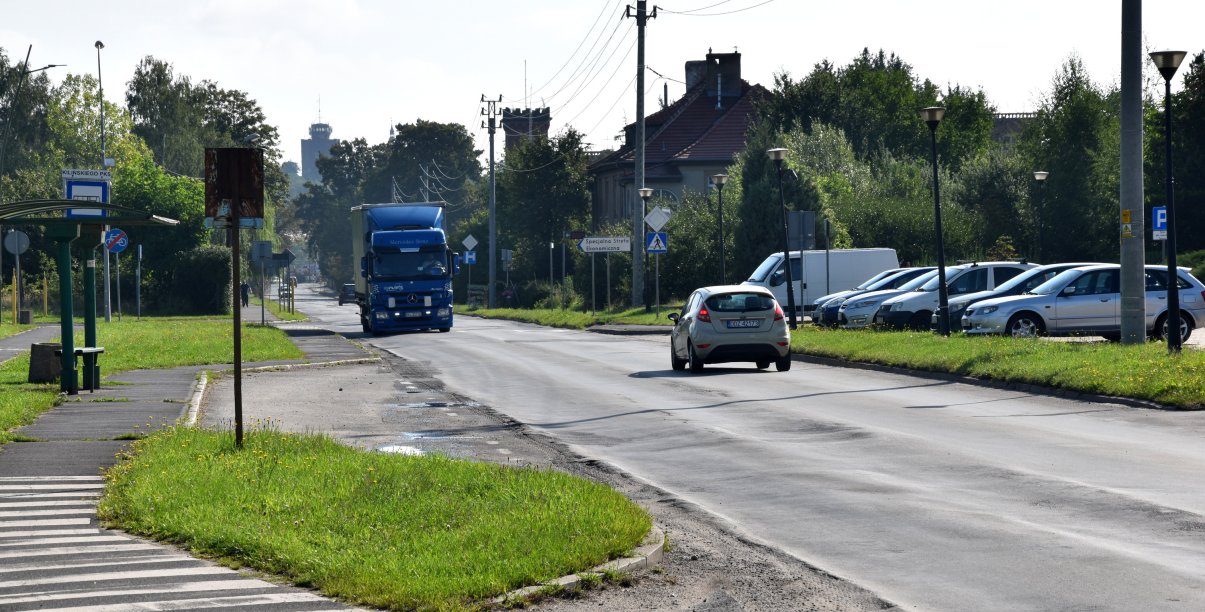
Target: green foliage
201,281
543,192
995,186
1076,138
693,259
426,157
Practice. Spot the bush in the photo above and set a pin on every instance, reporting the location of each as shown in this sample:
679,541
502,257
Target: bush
201,282
1194,260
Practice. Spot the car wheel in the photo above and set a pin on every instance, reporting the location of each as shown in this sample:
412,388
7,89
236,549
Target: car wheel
783,364
1161,327
677,364
696,364
921,321
1025,325
761,365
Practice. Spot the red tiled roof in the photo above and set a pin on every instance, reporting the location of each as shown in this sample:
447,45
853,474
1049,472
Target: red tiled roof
692,128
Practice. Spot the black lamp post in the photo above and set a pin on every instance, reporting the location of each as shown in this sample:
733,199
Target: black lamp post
1040,177
932,116
100,84
25,71
777,156
719,180
1168,62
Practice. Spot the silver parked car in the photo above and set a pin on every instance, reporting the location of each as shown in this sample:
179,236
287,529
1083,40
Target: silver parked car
859,311
730,323
1086,301
1016,286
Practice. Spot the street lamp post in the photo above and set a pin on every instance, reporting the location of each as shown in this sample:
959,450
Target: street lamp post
25,71
932,116
1168,62
1040,177
777,156
719,180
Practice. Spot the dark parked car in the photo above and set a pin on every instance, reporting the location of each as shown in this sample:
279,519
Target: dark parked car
347,294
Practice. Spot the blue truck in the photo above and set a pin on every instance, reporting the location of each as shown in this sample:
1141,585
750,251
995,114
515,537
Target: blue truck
405,267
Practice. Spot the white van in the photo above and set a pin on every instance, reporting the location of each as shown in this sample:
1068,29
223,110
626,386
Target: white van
817,273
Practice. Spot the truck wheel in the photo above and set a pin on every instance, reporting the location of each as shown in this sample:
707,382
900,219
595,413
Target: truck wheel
444,330
366,326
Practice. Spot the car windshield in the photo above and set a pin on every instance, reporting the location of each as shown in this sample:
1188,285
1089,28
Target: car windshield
920,281
409,265
951,274
1028,279
766,267
893,281
1055,284
877,278
740,302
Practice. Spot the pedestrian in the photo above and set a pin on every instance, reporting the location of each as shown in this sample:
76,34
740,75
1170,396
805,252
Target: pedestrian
245,290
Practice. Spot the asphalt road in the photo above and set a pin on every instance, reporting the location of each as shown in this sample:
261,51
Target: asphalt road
934,495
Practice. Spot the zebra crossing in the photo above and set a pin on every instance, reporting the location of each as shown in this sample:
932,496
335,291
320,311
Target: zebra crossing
55,556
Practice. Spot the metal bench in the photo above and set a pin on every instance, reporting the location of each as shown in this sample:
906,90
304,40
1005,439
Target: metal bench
91,370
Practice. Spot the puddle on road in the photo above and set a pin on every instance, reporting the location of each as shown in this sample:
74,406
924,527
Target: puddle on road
399,449
435,435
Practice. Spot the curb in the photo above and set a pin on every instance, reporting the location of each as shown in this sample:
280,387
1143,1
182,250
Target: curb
648,554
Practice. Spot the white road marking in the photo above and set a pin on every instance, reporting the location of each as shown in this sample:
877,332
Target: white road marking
45,487
51,478
135,560
20,513
183,587
42,504
47,522
76,540
77,550
192,604
97,576
48,532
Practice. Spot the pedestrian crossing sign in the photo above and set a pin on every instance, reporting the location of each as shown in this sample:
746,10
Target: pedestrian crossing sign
656,242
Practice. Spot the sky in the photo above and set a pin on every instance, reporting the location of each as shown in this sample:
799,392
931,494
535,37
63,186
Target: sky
364,65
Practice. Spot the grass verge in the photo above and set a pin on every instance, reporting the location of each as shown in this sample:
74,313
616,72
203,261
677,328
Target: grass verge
383,530
153,342
1143,371
251,313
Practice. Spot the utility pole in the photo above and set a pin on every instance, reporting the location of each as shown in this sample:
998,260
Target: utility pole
491,113
1133,215
642,17
100,85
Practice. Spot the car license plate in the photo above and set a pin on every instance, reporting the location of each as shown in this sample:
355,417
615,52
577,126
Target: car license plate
735,323
413,314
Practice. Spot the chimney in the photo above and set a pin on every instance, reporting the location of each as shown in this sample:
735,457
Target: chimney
696,71
727,70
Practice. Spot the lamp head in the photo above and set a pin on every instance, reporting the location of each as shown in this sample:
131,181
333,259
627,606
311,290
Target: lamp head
1040,175
645,193
932,115
719,180
777,155
99,45
1167,62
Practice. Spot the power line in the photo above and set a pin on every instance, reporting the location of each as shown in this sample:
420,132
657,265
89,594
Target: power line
597,20
695,10
740,10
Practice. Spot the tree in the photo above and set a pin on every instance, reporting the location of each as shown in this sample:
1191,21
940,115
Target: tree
1076,137
543,192
1188,154
427,161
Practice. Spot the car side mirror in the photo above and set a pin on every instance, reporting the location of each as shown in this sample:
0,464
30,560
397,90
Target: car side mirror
1067,291
673,316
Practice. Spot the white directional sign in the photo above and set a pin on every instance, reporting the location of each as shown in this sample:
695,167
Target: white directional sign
657,218
87,185
605,244
469,242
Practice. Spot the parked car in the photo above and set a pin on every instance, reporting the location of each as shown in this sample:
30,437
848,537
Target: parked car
1086,301
914,309
1019,284
859,311
730,323
815,271
347,294
828,307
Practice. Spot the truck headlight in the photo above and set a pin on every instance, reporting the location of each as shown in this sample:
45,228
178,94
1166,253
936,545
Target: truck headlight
443,312
382,315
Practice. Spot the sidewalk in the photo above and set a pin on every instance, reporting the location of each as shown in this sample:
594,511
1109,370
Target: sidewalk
81,436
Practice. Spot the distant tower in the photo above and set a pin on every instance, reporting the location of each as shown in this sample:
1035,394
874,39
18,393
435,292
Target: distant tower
319,143
521,124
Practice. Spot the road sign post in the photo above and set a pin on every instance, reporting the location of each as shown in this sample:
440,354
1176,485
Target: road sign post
657,243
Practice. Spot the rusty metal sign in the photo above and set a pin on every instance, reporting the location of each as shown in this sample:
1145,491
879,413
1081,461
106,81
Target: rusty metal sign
235,174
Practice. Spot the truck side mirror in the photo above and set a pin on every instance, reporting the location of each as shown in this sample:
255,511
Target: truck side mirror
364,267
778,278
455,261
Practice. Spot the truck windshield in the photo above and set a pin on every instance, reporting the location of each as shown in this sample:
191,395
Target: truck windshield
421,265
766,267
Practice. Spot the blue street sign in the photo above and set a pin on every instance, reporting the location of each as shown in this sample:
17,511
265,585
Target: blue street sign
656,242
470,257
116,240
1158,223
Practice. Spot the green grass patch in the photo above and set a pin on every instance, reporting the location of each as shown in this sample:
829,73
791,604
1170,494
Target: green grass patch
392,531
20,401
251,312
1143,371
12,329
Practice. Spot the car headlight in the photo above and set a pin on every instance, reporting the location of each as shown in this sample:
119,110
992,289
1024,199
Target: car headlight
863,304
986,309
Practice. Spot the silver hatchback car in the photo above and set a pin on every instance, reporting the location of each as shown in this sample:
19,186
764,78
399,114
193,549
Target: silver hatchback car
729,323
1086,301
